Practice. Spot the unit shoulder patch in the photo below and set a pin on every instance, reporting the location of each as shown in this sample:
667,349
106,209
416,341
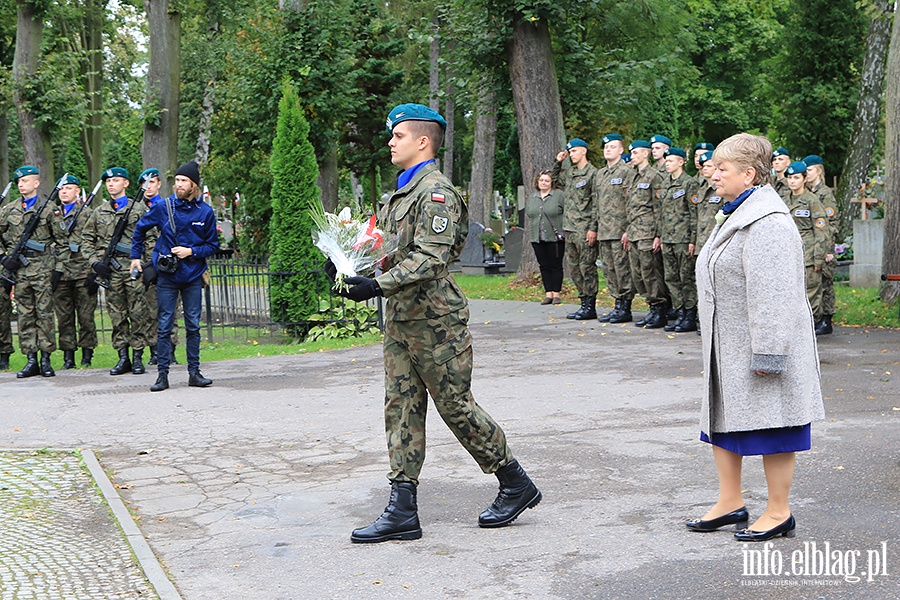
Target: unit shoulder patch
439,224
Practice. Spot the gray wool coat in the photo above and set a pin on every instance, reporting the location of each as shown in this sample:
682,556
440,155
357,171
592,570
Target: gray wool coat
755,315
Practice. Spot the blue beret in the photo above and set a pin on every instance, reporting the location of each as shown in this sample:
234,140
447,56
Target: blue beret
626,158
71,180
704,146
23,171
661,139
639,144
576,143
704,156
795,168
611,137
675,152
114,172
813,159
781,151
147,174
413,112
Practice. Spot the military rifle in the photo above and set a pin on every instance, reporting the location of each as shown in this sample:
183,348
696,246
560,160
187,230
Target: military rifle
19,259
5,192
71,227
109,259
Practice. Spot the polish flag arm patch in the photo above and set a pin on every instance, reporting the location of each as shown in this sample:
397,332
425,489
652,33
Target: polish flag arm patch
436,197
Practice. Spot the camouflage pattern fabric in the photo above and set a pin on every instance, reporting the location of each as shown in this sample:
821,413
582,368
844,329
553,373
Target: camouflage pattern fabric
678,266
581,187
73,299
616,269
6,346
782,188
708,204
641,211
826,196
815,232
677,214
647,271
612,197
581,264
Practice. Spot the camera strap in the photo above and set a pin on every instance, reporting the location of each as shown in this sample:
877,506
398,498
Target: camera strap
172,220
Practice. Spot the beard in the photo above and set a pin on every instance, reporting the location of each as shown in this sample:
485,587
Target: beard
188,194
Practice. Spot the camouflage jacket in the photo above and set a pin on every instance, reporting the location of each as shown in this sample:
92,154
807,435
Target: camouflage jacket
677,214
707,203
47,247
810,218
642,206
609,208
580,187
77,266
98,231
781,186
430,220
826,197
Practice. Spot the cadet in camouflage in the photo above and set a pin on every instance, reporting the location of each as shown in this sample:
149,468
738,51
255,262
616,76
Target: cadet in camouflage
707,202
812,222
781,160
815,181
6,347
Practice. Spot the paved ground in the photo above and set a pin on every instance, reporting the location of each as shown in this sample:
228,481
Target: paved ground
250,489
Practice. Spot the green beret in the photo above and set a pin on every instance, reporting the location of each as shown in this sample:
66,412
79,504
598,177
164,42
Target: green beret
576,143
148,174
414,112
782,151
795,168
813,159
661,139
611,137
704,146
704,157
114,172
639,144
675,152
23,171
70,180
626,158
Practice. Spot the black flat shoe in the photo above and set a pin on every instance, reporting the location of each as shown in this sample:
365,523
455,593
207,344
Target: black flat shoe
786,529
736,517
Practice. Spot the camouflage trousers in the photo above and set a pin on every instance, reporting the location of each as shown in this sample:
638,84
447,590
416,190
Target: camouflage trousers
678,266
581,263
647,271
814,291
34,301
126,302
434,356
73,299
616,269
828,300
153,334
6,346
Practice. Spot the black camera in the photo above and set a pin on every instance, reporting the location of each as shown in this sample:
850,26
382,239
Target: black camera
167,263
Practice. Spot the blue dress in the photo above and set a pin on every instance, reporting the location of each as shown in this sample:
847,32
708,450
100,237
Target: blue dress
762,441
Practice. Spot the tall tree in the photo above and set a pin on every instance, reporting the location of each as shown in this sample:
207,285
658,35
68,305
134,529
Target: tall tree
160,143
890,291
484,149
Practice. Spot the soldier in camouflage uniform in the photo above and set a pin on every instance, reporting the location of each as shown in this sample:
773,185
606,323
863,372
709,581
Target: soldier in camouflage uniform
641,239
659,145
126,298
614,179
427,345
706,201
6,347
810,218
74,297
46,251
781,160
815,182
578,179
677,223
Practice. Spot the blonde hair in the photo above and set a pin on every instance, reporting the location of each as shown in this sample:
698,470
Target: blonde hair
820,169
747,151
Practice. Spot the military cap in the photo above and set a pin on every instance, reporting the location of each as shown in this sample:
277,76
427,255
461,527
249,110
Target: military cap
813,159
704,146
576,143
661,139
795,167
414,112
70,180
148,174
611,137
675,152
626,158
23,171
114,172
781,151
704,156
639,144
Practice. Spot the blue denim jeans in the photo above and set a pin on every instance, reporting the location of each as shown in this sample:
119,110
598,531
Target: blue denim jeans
192,303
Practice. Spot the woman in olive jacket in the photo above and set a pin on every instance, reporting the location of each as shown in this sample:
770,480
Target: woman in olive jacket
545,211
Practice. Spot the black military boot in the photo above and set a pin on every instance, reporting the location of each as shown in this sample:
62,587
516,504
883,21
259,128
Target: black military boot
87,355
46,367
605,318
689,322
31,367
643,321
137,361
824,326
588,310
197,379
124,365
399,521
671,311
517,492
679,315
68,360
154,359
572,315
162,383
657,317
4,361
623,312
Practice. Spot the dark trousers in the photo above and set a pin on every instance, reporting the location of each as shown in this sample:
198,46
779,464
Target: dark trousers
550,258
192,301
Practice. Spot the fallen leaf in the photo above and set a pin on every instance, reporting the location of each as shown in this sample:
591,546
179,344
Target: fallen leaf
838,468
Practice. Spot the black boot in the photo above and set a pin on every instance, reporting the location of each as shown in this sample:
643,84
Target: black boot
162,383
4,361
657,317
517,492
644,320
588,309
622,313
399,521
87,355
137,361
124,365
679,315
689,322
197,379
46,367
671,311
572,315
68,360
31,367
605,318
824,327
154,359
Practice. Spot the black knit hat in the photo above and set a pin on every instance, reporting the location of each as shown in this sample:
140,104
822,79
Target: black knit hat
190,170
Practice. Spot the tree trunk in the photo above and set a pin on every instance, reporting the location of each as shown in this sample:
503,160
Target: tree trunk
160,145
450,108
92,81
866,122
4,150
434,52
36,141
891,259
532,74
484,147
201,153
328,179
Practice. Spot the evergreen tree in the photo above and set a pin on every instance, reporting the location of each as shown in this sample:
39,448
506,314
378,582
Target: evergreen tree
291,251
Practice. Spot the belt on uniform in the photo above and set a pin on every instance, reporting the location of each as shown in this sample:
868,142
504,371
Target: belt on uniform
29,253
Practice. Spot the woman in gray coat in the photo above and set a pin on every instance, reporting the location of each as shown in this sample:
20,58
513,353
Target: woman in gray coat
759,347
544,209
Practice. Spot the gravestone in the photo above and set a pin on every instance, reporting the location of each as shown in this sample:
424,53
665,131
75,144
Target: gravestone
868,246
472,254
512,248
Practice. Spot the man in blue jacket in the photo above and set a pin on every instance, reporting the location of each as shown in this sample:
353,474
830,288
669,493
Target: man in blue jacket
187,237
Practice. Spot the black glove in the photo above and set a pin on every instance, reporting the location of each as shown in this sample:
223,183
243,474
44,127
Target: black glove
7,286
362,289
149,275
102,270
92,286
12,264
55,278
330,269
